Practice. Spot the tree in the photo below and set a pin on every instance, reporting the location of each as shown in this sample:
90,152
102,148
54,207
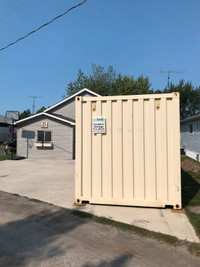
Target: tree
77,85
126,85
99,81
189,98
108,82
40,110
26,113
143,85
122,85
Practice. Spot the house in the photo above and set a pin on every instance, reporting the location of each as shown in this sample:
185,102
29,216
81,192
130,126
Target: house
50,134
190,136
4,129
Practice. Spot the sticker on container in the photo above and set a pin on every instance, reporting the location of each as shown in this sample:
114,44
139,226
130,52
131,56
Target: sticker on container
99,125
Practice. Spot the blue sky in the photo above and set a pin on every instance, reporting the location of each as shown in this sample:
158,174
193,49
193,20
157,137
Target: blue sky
134,36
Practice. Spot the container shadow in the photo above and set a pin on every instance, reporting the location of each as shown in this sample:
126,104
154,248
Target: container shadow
190,188
120,261
36,238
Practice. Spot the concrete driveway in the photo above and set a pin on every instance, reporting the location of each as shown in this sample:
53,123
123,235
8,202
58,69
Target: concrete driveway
48,180
52,181
39,234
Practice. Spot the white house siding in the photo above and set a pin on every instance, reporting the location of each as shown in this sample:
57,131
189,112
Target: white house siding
61,135
191,141
68,108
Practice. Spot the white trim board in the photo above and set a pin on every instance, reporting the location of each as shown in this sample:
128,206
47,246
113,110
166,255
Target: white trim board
28,118
48,115
59,103
72,96
58,118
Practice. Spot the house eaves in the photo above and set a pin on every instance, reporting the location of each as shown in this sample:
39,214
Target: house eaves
62,117
59,103
193,118
70,97
29,118
58,118
48,115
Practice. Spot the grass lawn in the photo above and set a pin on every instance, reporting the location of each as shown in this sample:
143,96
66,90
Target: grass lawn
5,157
190,174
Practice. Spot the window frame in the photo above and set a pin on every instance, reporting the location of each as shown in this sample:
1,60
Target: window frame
44,136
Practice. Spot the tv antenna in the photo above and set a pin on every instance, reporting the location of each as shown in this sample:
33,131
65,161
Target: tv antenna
33,106
169,72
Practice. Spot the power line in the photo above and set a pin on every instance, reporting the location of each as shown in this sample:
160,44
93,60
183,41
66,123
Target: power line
42,26
12,10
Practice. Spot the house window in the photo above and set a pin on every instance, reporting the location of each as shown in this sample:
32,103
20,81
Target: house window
191,129
197,126
44,136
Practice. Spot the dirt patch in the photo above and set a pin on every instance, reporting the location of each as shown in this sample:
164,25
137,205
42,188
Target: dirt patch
190,165
195,209
178,211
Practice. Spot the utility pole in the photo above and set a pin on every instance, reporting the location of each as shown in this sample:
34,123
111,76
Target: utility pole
169,72
33,106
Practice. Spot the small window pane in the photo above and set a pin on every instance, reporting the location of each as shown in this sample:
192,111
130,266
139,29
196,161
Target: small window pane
47,136
41,136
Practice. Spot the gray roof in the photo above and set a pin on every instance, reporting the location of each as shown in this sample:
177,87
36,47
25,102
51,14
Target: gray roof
63,117
192,118
2,119
56,116
72,96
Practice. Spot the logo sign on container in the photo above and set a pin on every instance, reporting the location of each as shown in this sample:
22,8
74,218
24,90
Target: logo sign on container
99,125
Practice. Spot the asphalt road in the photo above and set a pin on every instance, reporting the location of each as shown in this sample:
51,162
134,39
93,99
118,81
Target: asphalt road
39,234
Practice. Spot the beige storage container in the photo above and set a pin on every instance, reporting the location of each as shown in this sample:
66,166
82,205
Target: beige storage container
128,150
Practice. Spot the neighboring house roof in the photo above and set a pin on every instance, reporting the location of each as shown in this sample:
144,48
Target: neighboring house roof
57,116
62,117
72,96
192,118
2,119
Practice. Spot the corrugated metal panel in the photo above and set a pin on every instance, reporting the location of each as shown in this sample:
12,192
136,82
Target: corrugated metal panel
137,161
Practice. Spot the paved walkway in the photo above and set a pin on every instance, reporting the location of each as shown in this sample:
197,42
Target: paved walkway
53,181
38,234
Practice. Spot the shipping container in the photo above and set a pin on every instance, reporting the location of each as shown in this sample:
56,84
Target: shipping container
128,150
